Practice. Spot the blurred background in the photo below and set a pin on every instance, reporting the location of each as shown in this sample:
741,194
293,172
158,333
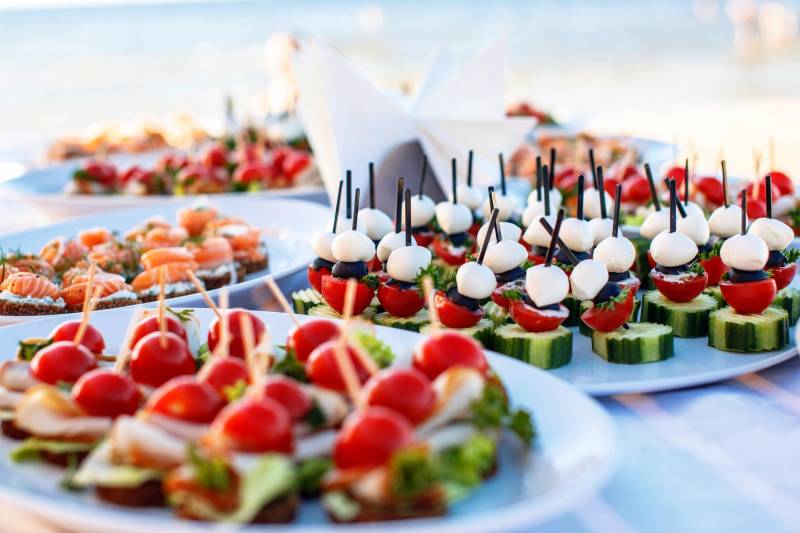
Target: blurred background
716,76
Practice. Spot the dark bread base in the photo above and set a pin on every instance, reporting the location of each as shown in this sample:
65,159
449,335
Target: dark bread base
280,511
11,430
8,307
154,297
110,304
380,514
254,265
63,459
215,282
148,494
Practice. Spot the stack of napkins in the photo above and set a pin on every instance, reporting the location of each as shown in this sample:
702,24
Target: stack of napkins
459,107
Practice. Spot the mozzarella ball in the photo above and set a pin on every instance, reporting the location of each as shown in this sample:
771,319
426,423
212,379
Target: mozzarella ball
353,246
321,244
505,203
601,229
692,208
469,196
508,230
745,252
407,262
655,223
536,235
475,280
591,203
376,223
726,221
773,232
555,198
695,227
672,249
616,253
422,210
504,256
453,218
391,242
535,209
587,279
546,285
576,234
346,224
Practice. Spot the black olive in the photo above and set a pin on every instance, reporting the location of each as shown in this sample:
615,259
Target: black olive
672,271
401,284
511,275
609,291
354,269
321,263
458,239
464,301
743,276
619,276
776,259
562,258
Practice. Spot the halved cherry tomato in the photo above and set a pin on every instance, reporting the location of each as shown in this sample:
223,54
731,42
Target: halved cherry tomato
608,319
678,174
536,259
187,399
150,324
439,352
610,185
475,228
423,237
750,297
454,315
782,182
62,362
404,390
632,283
370,437
315,277
680,289
92,338
399,301
334,289
153,364
323,370
627,173
761,192
255,425
784,275
305,338
498,298
224,372
102,172
636,190
756,208
445,251
715,269
711,188
537,320
234,318
216,156
289,394
103,392
566,178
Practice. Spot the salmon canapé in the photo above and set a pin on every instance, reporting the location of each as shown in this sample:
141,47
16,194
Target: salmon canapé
117,257
62,253
30,285
212,253
6,269
174,273
165,256
31,263
241,236
194,219
138,233
94,236
164,238
104,285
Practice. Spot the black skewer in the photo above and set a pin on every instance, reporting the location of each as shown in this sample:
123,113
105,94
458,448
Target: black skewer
673,200
424,172
408,217
502,173
579,210
398,208
469,168
768,179
680,207
488,237
538,178
355,213
497,235
349,199
551,249
371,185
744,211
724,183
686,182
546,186
561,245
338,205
592,165
615,225
552,167
652,183
454,183
600,187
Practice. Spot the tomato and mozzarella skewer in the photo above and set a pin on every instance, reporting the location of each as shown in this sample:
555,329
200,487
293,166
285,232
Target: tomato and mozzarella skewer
777,237
504,202
321,244
505,258
595,202
423,211
576,233
397,238
535,236
455,220
377,224
537,200
508,230
618,253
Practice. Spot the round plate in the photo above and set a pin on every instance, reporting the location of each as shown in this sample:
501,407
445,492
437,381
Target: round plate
288,226
574,455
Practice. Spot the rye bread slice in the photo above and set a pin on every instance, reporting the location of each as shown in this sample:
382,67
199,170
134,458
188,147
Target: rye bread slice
62,459
374,513
254,265
279,511
153,297
14,308
148,494
108,304
11,430
215,282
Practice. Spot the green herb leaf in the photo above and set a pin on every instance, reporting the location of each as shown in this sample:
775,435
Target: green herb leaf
791,254
467,464
371,280
696,268
290,366
412,472
210,472
316,416
30,347
379,351
521,423
713,252
235,391
443,278
310,474
611,303
203,355
513,294
491,409
184,315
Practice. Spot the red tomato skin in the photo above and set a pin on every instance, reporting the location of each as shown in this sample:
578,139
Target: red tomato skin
62,362
636,190
424,237
153,365
150,324
444,251
223,372
92,338
610,186
435,354
236,345
715,269
711,188
102,392
398,301
375,264
370,437
102,172
404,390
536,259
304,339
323,370
784,275
294,163
216,156
751,297
454,315
315,277
498,298
531,319
187,399
256,425
288,394
782,182
334,289
605,320
685,290
756,208
678,174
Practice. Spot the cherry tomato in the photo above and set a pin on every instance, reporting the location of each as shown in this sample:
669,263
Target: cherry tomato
782,182
566,178
370,437
255,425
173,162
102,392
398,301
92,338
252,172
535,259
761,193
536,320
375,264
153,365
784,275
756,208
435,354
678,174
216,156
305,338
751,297
315,277
610,186
498,298
236,345
62,362
445,251
715,269
650,261
605,319
627,173
680,289
636,190
224,372
423,237
102,172
404,390
289,394
294,163
323,370
334,289
711,187
454,315
187,399
150,324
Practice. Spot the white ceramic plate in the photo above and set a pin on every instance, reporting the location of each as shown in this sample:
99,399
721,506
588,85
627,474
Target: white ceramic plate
288,226
574,456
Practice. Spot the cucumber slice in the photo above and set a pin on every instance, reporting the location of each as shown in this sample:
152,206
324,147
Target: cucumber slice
642,246
482,331
573,305
586,330
788,299
550,349
716,294
326,311
732,332
411,323
496,314
641,342
688,319
305,299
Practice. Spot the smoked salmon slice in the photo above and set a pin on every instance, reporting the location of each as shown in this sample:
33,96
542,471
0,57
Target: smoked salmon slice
212,253
194,219
29,284
163,256
176,272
